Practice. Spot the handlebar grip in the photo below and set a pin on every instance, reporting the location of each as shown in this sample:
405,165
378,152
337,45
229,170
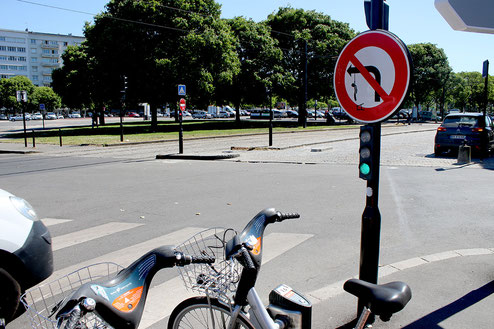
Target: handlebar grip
288,216
248,260
203,260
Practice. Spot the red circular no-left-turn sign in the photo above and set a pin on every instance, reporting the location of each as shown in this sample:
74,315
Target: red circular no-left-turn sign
372,76
182,104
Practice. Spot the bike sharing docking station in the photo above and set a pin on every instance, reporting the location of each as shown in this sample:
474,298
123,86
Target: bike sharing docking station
371,80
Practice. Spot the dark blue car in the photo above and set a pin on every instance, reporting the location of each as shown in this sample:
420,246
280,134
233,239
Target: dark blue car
465,128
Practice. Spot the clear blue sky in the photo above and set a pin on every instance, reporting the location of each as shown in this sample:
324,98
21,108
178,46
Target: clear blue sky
413,21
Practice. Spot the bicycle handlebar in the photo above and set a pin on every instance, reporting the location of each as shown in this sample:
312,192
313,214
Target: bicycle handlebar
184,259
282,216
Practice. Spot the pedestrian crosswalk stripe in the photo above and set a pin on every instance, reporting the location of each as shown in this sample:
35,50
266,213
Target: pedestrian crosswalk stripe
163,298
67,240
126,256
54,221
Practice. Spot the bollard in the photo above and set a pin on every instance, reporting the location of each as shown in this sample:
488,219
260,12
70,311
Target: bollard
464,154
34,139
60,135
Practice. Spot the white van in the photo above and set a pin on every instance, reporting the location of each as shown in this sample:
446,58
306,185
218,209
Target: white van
25,252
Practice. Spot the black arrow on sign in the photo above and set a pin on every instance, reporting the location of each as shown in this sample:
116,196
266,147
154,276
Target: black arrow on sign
372,69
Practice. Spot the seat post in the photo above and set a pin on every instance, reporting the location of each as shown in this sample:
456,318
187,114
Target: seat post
363,318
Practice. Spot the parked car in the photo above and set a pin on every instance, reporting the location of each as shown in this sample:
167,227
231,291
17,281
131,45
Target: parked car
460,128
50,116
25,252
291,114
201,115
59,116
19,117
133,115
74,115
3,117
37,116
339,114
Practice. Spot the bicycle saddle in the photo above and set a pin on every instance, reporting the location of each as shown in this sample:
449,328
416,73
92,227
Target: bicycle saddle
120,300
384,299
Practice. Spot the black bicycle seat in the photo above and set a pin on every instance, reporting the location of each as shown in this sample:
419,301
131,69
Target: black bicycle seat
382,299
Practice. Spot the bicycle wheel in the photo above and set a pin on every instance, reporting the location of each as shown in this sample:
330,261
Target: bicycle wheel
196,313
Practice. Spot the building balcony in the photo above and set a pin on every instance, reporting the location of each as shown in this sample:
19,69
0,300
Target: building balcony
45,46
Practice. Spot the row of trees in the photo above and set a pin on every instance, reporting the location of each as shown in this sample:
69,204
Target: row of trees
436,85
35,95
162,43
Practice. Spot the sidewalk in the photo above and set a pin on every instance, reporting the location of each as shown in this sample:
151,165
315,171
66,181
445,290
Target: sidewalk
452,293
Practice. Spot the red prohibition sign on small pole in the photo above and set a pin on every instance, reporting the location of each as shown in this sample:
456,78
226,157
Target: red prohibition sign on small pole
182,104
372,76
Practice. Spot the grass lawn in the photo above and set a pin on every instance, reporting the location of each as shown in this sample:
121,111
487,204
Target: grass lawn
166,130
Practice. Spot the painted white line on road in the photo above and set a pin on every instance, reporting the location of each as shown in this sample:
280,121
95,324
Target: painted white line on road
163,298
474,252
96,232
126,256
54,221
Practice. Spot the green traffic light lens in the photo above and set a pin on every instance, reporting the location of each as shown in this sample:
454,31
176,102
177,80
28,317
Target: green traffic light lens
364,168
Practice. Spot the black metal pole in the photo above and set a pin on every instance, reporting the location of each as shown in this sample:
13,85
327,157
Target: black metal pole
121,125
60,136
305,84
24,122
34,139
270,120
484,144
180,133
371,217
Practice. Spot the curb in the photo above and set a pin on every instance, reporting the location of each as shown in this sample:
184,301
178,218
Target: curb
197,156
17,152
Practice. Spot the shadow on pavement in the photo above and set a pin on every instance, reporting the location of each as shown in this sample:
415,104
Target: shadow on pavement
433,319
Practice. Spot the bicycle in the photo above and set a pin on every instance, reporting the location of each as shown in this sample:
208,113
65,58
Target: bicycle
230,300
103,295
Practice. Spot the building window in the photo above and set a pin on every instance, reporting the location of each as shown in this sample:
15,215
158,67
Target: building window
3,67
35,78
33,41
65,43
34,68
21,49
46,51
34,59
2,38
34,50
12,58
12,48
3,48
22,68
22,59
3,58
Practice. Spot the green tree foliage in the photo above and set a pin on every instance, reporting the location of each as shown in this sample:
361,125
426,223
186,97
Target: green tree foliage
46,96
8,89
260,64
431,72
325,39
73,82
191,45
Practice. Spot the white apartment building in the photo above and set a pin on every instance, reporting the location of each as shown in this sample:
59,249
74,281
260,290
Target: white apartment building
33,54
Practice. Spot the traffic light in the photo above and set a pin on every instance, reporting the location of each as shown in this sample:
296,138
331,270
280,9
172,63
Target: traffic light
366,152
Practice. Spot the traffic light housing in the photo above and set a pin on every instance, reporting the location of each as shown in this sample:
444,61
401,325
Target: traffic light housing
366,152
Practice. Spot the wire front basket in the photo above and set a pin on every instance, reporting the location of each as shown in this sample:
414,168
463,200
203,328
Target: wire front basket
41,302
216,280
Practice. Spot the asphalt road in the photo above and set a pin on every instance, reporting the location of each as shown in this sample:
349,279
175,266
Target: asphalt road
428,205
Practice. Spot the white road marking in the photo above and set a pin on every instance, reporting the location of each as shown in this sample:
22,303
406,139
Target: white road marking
96,232
126,256
54,221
